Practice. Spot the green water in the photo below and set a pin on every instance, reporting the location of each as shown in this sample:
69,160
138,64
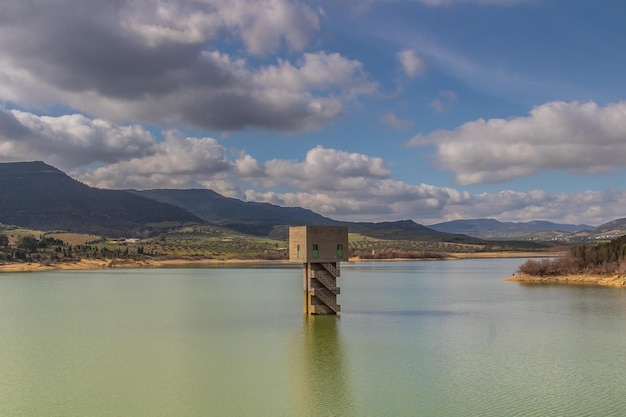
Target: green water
445,338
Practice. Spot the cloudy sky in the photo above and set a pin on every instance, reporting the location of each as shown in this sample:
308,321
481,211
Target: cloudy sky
369,110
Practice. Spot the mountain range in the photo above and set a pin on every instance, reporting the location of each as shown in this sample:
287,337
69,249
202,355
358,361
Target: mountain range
491,228
39,196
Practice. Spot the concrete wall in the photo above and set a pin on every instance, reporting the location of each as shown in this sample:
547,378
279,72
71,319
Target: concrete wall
303,240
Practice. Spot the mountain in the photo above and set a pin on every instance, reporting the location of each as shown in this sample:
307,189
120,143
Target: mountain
264,219
408,230
606,231
491,228
38,196
246,217
613,226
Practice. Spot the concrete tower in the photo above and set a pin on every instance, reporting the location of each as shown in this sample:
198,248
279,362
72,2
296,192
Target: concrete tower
319,249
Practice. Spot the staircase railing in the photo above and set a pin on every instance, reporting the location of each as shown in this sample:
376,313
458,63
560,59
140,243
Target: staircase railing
332,269
328,300
323,278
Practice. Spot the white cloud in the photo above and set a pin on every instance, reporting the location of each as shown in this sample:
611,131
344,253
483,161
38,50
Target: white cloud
248,167
318,72
106,155
358,187
335,183
325,169
577,137
264,23
159,62
590,207
69,141
411,63
159,22
175,163
347,185
386,200
377,200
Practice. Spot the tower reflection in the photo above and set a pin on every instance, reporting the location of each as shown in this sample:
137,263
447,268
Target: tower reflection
323,386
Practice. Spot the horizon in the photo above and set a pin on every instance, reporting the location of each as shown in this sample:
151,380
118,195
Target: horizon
428,110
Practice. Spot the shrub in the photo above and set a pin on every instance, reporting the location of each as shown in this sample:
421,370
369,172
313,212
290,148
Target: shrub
604,259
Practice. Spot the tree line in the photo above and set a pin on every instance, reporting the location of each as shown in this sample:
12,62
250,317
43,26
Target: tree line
603,258
29,248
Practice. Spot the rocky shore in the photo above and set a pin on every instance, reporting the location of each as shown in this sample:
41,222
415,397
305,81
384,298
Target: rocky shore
582,279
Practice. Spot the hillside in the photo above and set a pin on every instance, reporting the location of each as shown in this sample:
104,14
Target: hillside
494,229
264,219
38,196
187,224
610,230
408,230
259,219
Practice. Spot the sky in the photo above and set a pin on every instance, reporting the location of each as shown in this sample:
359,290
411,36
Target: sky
372,110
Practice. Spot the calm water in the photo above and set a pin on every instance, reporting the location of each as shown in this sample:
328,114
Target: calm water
446,338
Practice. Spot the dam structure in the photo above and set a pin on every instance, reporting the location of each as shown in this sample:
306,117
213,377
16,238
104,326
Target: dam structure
319,249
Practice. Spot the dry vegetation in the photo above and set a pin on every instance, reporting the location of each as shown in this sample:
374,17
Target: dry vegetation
199,243
21,245
602,259
363,247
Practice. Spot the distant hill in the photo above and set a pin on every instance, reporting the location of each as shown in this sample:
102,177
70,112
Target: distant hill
606,231
245,217
38,196
408,230
491,228
264,219
618,225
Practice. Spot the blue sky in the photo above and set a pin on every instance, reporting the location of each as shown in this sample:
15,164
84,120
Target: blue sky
376,110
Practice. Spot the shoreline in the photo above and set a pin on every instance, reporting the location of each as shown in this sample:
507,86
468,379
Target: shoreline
615,281
96,264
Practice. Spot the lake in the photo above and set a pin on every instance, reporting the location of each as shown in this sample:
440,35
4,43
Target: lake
439,338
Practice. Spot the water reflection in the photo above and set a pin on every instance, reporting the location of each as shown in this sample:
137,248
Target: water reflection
323,383
434,313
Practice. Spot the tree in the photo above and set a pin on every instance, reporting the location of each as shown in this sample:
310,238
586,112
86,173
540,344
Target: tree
4,240
28,243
